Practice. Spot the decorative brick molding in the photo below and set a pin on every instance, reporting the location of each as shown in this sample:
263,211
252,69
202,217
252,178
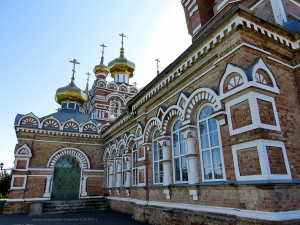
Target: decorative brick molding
257,120
246,160
18,182
80,155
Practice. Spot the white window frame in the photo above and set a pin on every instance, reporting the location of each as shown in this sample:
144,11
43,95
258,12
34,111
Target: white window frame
254,110
135,178
210,148
159,161
13,180
179,156
21,159
261,145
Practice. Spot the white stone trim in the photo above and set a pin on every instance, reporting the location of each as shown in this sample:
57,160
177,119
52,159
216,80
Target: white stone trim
194,194
13,179
94,171
261,145
224,3
22,159
79,154
296,3
256,123
26,199
191,5
259,65
194,10
197,28
261,215
278,12
62,142
57,132
20,155
144,182
254,6
187,2
90,197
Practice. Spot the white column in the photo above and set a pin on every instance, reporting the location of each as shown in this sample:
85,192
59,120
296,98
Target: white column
111,174
190,137
165,145
119,173
47,189
83,187
128,171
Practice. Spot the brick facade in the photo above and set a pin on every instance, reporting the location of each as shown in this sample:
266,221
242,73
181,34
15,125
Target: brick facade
236,161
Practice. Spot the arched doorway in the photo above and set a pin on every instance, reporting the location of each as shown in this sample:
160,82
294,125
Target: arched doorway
66,179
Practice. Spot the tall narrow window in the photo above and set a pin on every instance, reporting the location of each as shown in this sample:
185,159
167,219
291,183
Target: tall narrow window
124,168
210,146
107,177
114,109
158,172
134,168
115,173
179,154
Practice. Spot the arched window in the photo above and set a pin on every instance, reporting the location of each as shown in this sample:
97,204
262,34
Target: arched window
134,168
210,146
124,168
68,162
114,109
179,154
158,172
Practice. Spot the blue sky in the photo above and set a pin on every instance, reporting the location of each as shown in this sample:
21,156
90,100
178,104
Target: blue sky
38,38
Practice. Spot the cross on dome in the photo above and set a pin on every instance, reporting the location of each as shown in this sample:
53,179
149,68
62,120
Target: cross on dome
157,60
74,61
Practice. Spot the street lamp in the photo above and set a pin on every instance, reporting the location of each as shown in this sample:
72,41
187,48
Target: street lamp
1,167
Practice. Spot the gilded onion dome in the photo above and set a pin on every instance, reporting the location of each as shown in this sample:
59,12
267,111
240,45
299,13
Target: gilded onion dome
101,68
70,93
121,65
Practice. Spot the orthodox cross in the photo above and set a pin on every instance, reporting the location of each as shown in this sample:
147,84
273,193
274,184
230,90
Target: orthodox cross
87,83
135,83
88,76
157,60
122,35
74,62
103,46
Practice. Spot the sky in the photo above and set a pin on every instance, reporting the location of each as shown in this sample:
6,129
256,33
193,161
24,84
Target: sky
38,38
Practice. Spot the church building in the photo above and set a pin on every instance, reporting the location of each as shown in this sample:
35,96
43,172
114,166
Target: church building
212,139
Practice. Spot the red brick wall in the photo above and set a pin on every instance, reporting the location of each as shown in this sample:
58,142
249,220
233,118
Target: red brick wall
94,186
276,160
18,182
21,164
248,160
241,115
266,112
35,187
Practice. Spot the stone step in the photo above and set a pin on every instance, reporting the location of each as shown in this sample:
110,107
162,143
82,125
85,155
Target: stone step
52,207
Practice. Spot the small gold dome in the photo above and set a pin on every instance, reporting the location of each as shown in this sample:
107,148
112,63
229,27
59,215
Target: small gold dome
101,68
70,93
121,65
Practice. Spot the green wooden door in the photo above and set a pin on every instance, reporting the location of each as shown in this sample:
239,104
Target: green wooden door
66,180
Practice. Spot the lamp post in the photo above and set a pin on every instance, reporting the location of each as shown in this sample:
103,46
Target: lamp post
1,167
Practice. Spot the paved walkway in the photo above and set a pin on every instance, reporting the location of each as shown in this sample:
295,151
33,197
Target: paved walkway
107,217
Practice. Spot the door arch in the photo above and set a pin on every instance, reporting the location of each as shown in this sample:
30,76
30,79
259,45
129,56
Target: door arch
66,178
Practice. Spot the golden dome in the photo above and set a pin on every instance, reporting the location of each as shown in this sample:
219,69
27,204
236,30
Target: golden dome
101,68
121,65
70,93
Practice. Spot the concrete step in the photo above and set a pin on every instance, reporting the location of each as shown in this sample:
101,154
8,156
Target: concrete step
52,207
